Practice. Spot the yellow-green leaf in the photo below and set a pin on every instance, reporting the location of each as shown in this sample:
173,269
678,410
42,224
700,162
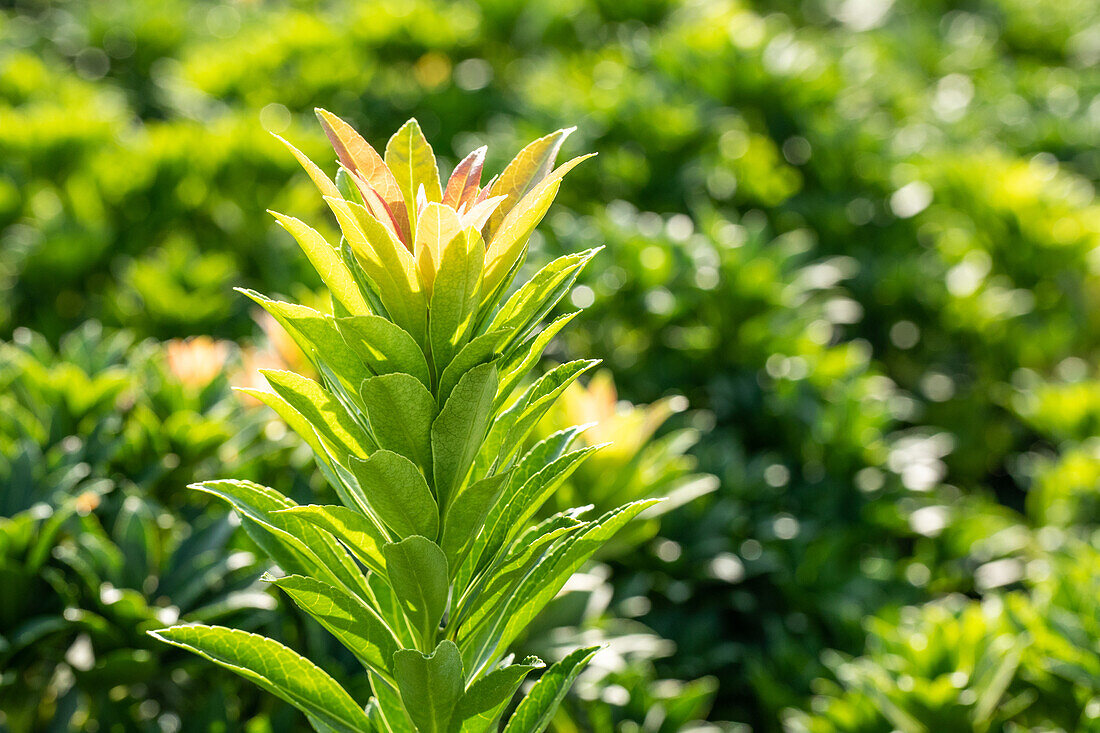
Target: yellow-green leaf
525,171
334,273
455,296
436,226
388,264
412,161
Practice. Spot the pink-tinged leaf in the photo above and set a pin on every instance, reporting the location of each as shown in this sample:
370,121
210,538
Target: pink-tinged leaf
484,193
380,209
462,187
323,182
480,213
438,226
357,155
525,172
412,162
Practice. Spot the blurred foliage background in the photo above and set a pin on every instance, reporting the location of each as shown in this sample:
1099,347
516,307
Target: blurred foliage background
852,265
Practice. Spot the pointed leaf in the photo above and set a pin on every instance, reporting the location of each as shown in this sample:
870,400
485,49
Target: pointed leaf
530,304
465,516
386,262
275,668
483,703
537,709
463,184
334,273
455,297
481,350
359,157
323,183
384,347
457,433
355,624
323,411
401,410
530,166
435,228
524,359
509,242
412,161
547,579
354,530
314,552
316,333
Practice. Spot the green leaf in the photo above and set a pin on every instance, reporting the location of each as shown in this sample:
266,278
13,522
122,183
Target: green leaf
275,668
522,361
455,296
529,305
398,493
355,624
508,243
367,287
316,334
354,530
384,347
544,582
531,484
401,410
430,685
465,516
481,350
495,586
417,570
457,433
526,170
483,703
412,161
389,712
510,429
388,264
544,393
323,411
323,182
298,546
536,710
325,259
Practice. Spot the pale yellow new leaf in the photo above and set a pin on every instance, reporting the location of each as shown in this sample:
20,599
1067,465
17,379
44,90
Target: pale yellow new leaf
436,227
511,238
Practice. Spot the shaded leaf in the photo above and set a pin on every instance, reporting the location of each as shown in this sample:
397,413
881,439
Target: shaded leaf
398,493
417,570
430,685
401,410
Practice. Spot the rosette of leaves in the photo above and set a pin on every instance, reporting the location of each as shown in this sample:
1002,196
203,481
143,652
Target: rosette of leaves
432,564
